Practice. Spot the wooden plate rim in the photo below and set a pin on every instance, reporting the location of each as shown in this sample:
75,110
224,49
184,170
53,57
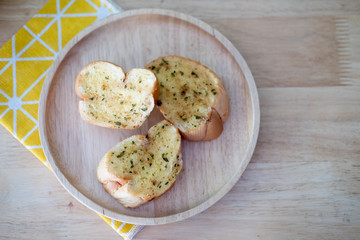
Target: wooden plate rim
178,216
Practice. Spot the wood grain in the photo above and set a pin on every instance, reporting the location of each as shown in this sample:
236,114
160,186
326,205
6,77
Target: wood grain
316,67
133,39
302,182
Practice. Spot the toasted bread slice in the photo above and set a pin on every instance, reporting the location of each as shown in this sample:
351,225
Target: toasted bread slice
142,168
109,98
192,97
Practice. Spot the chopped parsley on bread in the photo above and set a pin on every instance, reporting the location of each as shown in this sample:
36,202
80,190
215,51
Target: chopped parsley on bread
191,96
141,168
110,98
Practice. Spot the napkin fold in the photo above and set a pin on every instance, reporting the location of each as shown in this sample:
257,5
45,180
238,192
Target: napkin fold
24,62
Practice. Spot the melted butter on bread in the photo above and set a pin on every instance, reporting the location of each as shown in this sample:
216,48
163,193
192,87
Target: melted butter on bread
146,166
112,99
189,95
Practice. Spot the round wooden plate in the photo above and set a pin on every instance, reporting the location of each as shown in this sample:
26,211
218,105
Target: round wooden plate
132,39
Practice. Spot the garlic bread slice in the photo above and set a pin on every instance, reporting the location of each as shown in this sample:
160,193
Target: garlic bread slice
191,96
110,98
141,168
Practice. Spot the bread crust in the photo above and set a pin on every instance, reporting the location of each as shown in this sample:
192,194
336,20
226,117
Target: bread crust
83,98
218,114
212,129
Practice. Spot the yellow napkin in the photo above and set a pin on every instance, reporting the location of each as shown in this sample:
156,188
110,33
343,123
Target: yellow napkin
25,60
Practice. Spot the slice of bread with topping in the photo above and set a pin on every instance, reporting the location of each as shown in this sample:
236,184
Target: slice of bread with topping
141,168
109,98
192,97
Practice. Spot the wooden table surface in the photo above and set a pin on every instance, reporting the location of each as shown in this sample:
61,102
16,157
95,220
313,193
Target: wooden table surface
303,181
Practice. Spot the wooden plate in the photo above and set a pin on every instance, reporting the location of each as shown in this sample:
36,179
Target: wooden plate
132,39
